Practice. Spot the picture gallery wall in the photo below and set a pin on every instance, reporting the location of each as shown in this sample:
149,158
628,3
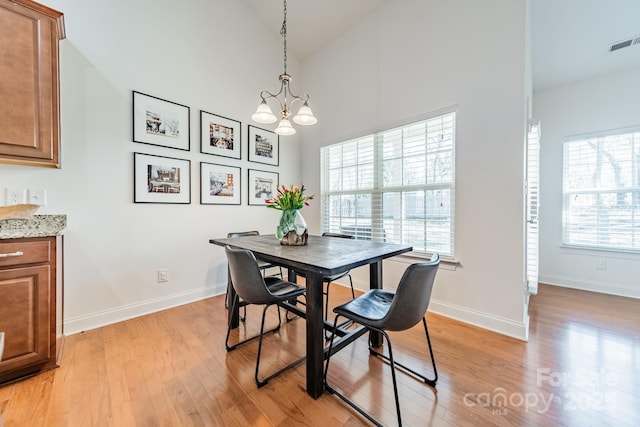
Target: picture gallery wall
167,179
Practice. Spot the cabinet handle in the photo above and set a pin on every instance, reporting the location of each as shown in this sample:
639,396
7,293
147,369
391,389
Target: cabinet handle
16,253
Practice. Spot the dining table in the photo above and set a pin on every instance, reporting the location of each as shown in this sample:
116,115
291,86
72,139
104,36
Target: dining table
322,256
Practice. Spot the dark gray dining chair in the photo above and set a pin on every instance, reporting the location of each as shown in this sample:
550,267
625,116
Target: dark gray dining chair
263,265
380,311
254,288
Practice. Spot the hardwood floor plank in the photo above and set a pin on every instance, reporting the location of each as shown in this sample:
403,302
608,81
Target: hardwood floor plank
580,367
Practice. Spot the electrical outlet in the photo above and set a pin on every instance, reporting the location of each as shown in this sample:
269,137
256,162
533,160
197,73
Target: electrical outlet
601,264
163,275
38,197
13,196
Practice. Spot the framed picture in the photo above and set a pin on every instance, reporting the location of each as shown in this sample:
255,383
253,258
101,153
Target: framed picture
160,122
219,135
219,185
262,186
158,179
263,146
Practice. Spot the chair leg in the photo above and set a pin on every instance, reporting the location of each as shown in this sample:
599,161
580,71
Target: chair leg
262,382
294,302
353,294
326,306
226,305
393,377
326,310
264,313
431,382
342,397
231,347
428,381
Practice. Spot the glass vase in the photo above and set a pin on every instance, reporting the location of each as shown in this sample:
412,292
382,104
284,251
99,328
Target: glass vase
292,229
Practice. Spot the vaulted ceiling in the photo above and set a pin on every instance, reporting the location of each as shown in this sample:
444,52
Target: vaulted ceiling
570,38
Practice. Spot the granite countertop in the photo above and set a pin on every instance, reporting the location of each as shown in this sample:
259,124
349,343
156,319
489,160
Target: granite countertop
39,226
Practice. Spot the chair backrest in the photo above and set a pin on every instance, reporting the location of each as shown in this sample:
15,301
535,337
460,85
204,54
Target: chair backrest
343,236
242,234
412,297
246,277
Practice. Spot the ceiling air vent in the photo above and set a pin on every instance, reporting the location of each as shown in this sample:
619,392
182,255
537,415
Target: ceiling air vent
624,43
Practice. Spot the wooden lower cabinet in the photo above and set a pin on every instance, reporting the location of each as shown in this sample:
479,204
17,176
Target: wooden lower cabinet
28,314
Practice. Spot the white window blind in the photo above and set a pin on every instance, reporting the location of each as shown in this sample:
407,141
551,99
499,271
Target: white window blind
601,207
533,205
395,186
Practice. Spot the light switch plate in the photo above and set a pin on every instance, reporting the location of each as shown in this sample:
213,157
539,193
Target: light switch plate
38,197
13,196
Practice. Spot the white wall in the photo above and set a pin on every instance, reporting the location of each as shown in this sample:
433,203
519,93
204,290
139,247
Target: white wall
603,103
408,59
414,57
209,55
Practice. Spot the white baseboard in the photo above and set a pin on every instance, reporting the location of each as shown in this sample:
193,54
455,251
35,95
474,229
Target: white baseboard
482,320
590,286
79,324
519,330
74,325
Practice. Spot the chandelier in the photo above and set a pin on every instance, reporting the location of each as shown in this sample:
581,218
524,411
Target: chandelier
264,114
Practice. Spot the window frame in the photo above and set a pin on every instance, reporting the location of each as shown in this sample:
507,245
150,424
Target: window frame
596,191
378,188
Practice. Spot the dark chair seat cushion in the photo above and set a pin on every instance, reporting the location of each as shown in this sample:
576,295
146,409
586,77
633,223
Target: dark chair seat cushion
369,308
283,290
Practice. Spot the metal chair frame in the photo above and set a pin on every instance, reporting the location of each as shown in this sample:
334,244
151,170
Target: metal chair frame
378,325
272,293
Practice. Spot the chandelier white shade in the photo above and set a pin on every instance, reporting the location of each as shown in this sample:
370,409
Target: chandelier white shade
284,128
284,99
264,114
305,116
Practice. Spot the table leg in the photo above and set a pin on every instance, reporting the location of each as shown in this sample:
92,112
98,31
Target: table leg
292,277
315,335
375,282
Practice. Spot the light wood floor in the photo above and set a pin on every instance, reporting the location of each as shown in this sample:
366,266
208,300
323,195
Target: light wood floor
581,367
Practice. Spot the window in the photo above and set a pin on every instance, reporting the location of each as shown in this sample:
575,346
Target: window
601,196
394,186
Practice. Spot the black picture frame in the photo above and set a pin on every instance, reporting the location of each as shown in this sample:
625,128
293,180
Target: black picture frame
220,184
161,179
220,136
157,121
262,185
264,146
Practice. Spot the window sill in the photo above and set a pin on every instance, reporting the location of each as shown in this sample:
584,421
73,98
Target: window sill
591,249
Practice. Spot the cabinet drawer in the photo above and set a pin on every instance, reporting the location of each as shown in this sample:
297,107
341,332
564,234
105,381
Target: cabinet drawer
24,252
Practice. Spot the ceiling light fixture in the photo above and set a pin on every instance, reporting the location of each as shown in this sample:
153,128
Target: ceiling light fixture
264,114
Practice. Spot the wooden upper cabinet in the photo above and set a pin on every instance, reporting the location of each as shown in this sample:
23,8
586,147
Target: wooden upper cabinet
29,83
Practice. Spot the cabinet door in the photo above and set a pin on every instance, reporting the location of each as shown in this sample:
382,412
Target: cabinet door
29,116
24,319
